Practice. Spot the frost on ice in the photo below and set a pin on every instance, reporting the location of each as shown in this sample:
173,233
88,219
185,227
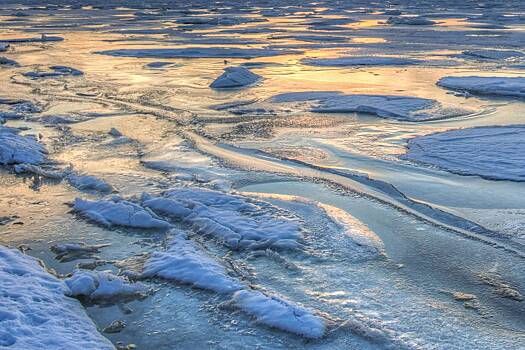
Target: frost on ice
235,77
96,285
275,311
498,86
186,263
403,108
496,152
17,149
36,314
238,222
119,212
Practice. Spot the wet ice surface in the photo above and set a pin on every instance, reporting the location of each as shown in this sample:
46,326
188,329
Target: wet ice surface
158,198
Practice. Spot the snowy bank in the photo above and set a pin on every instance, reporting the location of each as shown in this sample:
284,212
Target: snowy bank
235,77
495,152
279,313
35,313
186,263
498,86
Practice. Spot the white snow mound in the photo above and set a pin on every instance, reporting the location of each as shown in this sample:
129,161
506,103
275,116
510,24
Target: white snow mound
102,285
279,313
186,263
17,149
235,77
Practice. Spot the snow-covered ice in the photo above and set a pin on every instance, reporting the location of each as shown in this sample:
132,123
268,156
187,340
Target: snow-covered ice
495,152
185,262
360,61
497,86
404,108
493,54
35,312
235,77
277,312
119,212
239,222
97,285
17,149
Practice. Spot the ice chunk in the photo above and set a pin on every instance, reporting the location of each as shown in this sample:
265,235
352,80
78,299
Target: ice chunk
186,263
16,149
275,311
35,313
88,182
38,170
360,61
102,285
498,86
119,212
4,61
198,52
234,77
495,152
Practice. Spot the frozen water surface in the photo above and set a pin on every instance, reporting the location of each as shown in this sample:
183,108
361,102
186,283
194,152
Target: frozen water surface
353,179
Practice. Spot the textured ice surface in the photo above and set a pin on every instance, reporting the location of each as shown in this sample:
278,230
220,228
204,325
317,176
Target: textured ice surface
491,152
16,149
88,182
102,285
277,312
234,77
404,108
197,52
55,71
237,221
185,262
498,86
118,212
359,61
36,314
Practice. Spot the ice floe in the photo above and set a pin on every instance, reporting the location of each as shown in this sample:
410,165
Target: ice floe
495,152
360,61
36,314
55,71
237,221
235,77
497,86
119,212
17,149
97,285
405,108
277,312
198,52
185,262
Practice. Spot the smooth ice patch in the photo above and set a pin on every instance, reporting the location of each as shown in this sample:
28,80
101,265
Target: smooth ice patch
185,262
119,212
277,312
495,152
498,86
35,313
235,77
17,149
